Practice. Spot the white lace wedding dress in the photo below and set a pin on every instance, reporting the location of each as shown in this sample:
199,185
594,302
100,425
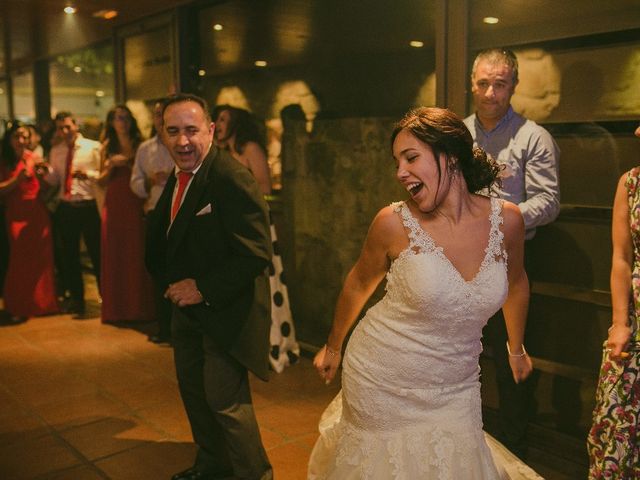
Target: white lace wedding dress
410,403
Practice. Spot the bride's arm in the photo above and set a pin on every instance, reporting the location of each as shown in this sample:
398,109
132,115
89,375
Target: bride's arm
358,286
517,304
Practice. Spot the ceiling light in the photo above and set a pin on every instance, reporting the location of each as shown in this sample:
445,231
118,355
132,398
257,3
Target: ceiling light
202,72
416,43
99,93
491,20
217,27
1,91
260,63
106,14
77,69
69,10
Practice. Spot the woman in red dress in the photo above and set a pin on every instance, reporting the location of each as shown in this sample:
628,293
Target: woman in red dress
29,287
126,287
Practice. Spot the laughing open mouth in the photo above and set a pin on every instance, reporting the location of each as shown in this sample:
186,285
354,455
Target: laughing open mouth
414,188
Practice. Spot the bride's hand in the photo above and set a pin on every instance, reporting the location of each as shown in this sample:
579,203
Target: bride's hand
521,367
327,362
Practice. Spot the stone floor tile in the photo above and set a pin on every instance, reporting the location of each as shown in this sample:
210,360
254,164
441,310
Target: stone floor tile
87,408
151,461
110,435
289,461
168,417
84,472
32,457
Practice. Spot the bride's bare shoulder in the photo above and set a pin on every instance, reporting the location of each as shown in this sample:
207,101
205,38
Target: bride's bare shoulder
513,223
388,220
388,232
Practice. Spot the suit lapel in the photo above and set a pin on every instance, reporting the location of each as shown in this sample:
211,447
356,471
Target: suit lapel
164,206
189,205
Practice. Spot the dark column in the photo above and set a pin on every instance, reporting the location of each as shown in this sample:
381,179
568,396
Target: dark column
452,53
6,25
188,50
42,91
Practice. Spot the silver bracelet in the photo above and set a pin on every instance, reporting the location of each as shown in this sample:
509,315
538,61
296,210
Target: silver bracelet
524,351
204,300
331,351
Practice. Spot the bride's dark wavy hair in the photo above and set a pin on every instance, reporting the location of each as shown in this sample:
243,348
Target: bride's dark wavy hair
446,133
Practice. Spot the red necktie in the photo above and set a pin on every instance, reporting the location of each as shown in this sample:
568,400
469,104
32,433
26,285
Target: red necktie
183,181
69,178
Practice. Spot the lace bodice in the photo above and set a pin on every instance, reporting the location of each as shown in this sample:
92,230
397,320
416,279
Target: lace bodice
430,315
423,282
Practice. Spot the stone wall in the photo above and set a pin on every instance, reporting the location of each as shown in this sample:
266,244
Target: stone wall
335,180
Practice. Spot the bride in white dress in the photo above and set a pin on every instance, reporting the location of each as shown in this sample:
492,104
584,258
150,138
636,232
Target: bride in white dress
410,404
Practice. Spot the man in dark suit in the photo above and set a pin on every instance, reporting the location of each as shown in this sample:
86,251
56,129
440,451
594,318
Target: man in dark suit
208,240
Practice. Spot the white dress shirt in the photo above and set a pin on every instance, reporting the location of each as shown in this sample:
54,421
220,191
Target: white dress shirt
152,157
86,158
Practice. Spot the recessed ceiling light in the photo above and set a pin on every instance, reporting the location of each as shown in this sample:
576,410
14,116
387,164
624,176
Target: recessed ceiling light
70,10
77,69
106,14
260,63
416,43
217,27
99,93
202,72
491,20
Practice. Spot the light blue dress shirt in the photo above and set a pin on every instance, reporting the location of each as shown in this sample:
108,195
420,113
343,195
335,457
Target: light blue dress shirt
530,156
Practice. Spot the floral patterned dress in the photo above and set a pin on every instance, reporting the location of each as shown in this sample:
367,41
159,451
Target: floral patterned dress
614,439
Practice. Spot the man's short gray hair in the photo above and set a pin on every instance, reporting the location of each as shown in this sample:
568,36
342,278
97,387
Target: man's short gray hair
497,56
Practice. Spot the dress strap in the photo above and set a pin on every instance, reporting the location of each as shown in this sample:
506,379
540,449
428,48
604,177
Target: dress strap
496,247
419,240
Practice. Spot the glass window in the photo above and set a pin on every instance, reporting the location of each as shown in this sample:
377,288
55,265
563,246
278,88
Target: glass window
4,106
3,63
83,83
148,65
23,98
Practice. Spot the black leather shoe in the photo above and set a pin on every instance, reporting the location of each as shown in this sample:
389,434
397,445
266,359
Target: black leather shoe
74,307
159,339
195,474
191,474
81,314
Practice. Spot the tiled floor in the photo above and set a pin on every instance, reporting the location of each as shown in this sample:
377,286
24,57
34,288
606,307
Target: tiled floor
80,400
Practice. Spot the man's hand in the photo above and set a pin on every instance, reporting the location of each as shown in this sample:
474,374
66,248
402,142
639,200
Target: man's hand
184,293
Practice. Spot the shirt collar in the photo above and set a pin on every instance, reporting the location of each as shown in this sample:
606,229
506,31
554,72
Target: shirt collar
176,170
506,119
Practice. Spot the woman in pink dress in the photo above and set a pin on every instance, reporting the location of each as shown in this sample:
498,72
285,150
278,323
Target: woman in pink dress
29,287
126,287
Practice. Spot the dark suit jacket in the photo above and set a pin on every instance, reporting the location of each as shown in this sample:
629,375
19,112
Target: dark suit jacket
226,251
